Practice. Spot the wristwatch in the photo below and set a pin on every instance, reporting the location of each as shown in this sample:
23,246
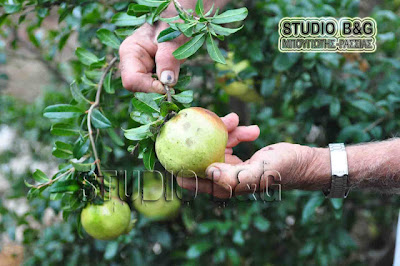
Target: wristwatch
340,172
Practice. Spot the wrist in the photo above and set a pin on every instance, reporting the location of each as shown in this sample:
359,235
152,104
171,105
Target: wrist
318,169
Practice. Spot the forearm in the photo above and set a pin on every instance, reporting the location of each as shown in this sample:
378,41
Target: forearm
372,165
191,4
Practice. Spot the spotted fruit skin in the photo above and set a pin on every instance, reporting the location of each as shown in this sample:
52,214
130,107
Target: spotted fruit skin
191,141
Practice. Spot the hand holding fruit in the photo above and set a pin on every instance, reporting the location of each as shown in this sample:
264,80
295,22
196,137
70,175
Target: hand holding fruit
290,165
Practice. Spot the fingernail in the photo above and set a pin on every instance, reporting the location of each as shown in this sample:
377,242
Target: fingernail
167,77
214,173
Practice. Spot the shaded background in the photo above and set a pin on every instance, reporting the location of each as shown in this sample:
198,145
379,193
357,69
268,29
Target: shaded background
311,99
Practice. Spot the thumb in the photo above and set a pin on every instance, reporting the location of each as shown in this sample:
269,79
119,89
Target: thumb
243,174
167,65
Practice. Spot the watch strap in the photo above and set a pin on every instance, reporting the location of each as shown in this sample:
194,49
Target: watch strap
340,172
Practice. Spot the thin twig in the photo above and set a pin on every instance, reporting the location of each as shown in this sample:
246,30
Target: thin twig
180,8
58,177
168,91
374,124
94,105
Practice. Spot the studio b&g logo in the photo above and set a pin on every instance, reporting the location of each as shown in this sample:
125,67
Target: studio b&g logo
326,34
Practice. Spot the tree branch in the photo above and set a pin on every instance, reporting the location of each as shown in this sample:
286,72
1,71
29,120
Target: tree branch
92,107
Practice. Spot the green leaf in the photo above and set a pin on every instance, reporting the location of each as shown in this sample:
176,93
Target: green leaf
159,10
138,10
353,133
62,111
231,16
224,31
334,107
111,250
142,118
197,249
261,223
337,203
124,32
209,11
65,186
238,238
76,93
190,47
108,38
3,18
138,133
199,8
167,35
124,20
284,61
11,8
152,3
107,83
85,57
83,167
171,19
267,87
64,13
364,106
101,63
184,97
81,147
40,177
64,130
99,120
307,249
325,76
149,157
213,50
27,184
183,82
93,75
309,209
63,40
167,107
115,138
186,28
145,102
62,150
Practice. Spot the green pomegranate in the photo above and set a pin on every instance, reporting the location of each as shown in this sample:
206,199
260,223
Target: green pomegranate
115,187
153,203
107,221
191,141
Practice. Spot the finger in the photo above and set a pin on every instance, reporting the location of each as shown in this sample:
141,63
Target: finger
232,159
240,134
235,175
136,64
204,186
228,151
142,82
231,121
167,65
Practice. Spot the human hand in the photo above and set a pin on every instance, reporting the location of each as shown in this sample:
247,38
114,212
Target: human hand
140,52
290,165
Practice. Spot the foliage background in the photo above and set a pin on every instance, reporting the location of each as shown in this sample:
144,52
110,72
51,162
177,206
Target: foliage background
311,99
